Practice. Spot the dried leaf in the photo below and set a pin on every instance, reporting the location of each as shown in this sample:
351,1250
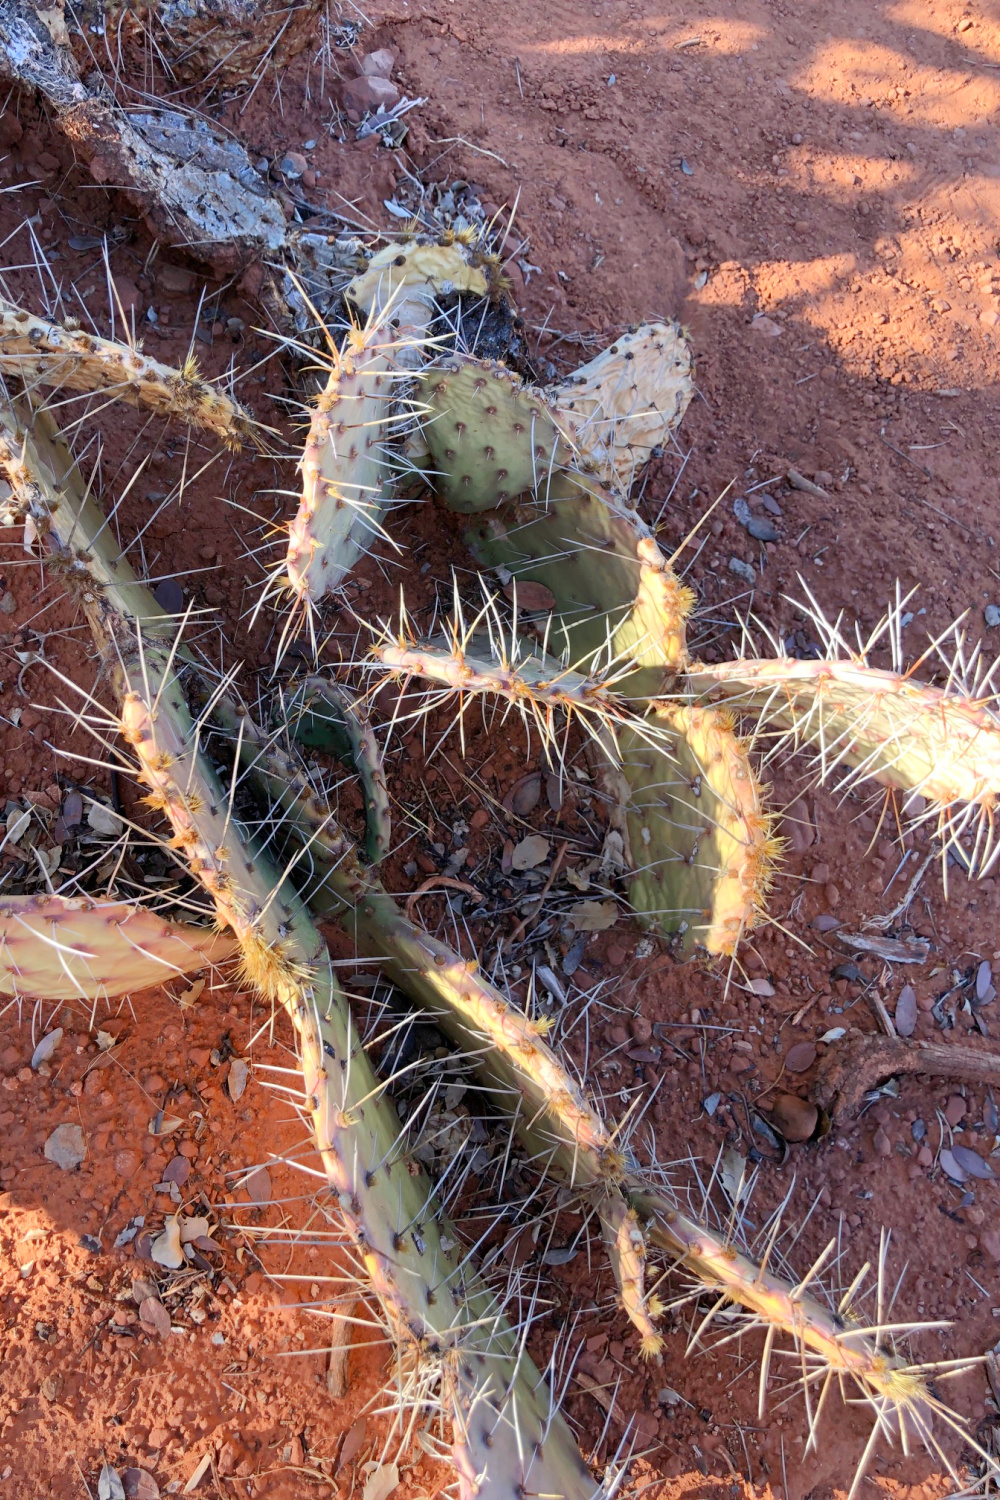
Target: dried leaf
951,1166
834,1034
187,998
109,1486
531,851
578,879
905,1015
237,1081
140,1485
105,1041
193,1229
166,1248
732,1172
381,1482
970,1161
593,916
800,1058
46,1047
198,1475
711,1104
162,1124
351,1446
911,950
560,1256
154,1316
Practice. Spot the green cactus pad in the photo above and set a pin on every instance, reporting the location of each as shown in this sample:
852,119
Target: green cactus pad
700,841
327,717
615,597
490,436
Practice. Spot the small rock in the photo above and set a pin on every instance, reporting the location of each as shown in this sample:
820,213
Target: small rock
770,504
8,604
67,1147
832,894
178,1169
954,1110
762,530
990,1242
766,326
617,1036
616,955
742,570
126,1164
292,165
362,96
824,922
741,510
991,614
797,826
376,64
480,818
925,1156
173,279
796,1118
820,874
640,1028
882,1143
526,796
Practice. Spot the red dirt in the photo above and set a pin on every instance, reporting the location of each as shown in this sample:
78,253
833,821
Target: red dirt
835,173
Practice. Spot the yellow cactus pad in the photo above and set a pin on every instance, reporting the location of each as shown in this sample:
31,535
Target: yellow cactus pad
622,405
73,948
700,839
430,270
903,733
39,351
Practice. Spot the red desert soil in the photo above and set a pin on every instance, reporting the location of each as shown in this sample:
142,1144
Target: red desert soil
814,191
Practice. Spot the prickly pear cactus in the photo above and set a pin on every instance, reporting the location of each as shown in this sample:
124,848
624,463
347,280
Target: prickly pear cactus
71,948
39,351
624,404
701,849
615,599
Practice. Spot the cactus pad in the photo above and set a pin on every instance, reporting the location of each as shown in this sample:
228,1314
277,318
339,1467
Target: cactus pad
616,597
700,841
625,403
329,718
73,948
490,436
39,351
906,734
399,273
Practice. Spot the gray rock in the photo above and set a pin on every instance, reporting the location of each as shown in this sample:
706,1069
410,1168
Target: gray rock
991,615
762,529
741,510
742,570
66,1146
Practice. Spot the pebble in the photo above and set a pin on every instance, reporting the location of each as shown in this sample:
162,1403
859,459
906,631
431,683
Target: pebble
882,1143
126,1163
991,614
616,955
66,1146
375,65
797,826
293,164
820,874
770,504
762,530
362,96
617,1036
796,1118
640,1028
742,511
954,1110
832,894
742,570
766,326
824,922
990,1242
